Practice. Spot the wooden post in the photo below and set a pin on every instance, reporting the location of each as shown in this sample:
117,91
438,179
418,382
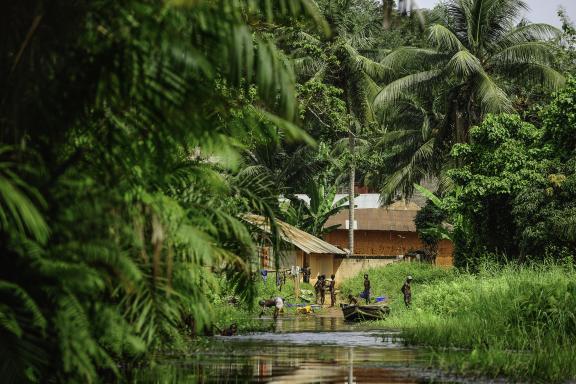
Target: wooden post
351,193
297,285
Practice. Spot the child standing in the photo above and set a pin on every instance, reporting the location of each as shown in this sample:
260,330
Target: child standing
407,291
332,290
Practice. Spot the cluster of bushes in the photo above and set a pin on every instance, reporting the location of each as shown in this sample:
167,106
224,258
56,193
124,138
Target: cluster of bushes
514,187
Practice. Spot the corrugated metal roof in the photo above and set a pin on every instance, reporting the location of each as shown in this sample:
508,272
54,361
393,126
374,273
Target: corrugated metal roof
372,200
364,200
300,239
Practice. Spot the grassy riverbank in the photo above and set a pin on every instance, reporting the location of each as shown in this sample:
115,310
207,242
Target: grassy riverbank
512,321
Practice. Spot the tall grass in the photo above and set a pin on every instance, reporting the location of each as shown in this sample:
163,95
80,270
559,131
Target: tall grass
514,321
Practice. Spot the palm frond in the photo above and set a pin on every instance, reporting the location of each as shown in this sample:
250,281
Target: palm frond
413,170
444,39
17,206
526,33
490,19
413,83
492,98
529,52
534,73
15,302
464,64
375,70
290,130
406,58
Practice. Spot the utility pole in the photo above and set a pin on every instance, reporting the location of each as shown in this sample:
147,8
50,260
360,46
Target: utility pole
351,143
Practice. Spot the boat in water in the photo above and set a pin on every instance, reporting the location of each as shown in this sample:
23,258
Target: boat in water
364,312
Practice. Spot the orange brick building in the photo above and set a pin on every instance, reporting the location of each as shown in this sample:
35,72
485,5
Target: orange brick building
382,234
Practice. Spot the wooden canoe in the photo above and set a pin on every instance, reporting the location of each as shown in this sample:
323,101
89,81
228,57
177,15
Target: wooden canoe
365,312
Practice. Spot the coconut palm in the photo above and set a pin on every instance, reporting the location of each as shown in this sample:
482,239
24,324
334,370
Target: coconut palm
339,61
478,51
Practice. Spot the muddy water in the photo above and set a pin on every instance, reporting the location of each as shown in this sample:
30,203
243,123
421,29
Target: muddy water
309,350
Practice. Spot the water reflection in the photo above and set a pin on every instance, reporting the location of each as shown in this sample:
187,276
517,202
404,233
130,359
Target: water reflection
319,350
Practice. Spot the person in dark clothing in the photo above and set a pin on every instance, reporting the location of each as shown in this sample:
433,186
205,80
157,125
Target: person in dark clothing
280,279
317,289
407,291
322,288
332,288
306,273
231,331
352,300
264,274
366,292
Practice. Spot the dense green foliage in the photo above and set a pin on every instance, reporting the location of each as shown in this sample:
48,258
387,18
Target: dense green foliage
513,321
121,186
477,59
428,222
514,193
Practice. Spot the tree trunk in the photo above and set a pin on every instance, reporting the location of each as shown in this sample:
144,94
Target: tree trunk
386,14
461,121
351,193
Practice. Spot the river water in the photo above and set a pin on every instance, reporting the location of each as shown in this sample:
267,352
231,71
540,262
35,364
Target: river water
299,350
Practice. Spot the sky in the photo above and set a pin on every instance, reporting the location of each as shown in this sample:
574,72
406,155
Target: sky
541,11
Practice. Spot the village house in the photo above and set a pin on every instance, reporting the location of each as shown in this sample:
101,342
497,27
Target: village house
382,235
300,249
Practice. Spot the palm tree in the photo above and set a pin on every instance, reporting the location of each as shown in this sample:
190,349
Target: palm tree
287,166
339,61
477,53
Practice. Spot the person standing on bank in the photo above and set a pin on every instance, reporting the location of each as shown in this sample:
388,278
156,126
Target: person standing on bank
366,292
322,288
407,291
332,290
317,288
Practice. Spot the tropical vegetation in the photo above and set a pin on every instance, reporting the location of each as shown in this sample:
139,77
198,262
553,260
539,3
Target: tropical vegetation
479,57
123,126
136,135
